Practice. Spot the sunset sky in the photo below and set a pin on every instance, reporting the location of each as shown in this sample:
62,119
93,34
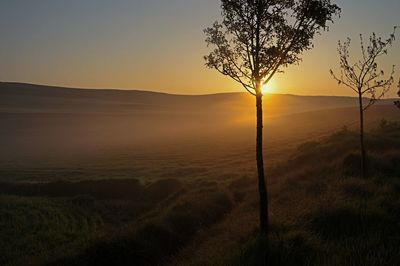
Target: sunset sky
159,44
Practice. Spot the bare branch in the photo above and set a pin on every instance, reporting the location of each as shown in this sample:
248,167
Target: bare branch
364,76
397,103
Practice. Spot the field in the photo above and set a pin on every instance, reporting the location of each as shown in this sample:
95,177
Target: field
136,178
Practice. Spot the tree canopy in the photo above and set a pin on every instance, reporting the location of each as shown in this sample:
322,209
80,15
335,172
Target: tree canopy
258,38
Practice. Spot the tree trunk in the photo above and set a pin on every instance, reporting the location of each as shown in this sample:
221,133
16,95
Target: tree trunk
262,187
362,145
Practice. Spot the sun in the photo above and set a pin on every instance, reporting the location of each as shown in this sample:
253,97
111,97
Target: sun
267,88
270,88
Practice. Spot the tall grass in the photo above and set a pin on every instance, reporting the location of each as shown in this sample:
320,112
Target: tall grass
323,213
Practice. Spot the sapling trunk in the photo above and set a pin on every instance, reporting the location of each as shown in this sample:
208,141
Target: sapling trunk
262,186
362,144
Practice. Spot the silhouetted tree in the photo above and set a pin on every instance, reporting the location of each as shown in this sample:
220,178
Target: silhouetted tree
397,103
365,78
256,39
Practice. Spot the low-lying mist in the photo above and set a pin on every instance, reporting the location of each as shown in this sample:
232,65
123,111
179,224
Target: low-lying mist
39,125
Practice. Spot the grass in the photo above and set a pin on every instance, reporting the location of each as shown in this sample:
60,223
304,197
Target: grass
105,222
160,234
321,211
34,229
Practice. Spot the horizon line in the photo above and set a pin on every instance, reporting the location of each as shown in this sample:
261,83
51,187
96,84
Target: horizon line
167,93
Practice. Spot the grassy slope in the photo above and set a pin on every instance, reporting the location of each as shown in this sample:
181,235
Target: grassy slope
33,230
110,222
321,212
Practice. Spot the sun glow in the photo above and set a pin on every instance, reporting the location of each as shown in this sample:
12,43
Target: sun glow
268,88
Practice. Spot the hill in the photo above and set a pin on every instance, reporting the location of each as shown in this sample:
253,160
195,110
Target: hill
128,173
29,98
47,130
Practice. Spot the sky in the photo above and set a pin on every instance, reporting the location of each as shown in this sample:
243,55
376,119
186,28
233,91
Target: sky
159,45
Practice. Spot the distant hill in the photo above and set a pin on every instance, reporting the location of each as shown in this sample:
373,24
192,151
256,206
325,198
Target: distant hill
47,121
29,98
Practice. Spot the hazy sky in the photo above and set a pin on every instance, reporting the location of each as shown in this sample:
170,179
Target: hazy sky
158,45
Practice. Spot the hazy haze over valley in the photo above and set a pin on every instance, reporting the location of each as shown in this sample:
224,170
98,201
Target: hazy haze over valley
44,126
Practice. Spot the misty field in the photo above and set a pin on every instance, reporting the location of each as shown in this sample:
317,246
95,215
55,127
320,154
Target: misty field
199,133
85,185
